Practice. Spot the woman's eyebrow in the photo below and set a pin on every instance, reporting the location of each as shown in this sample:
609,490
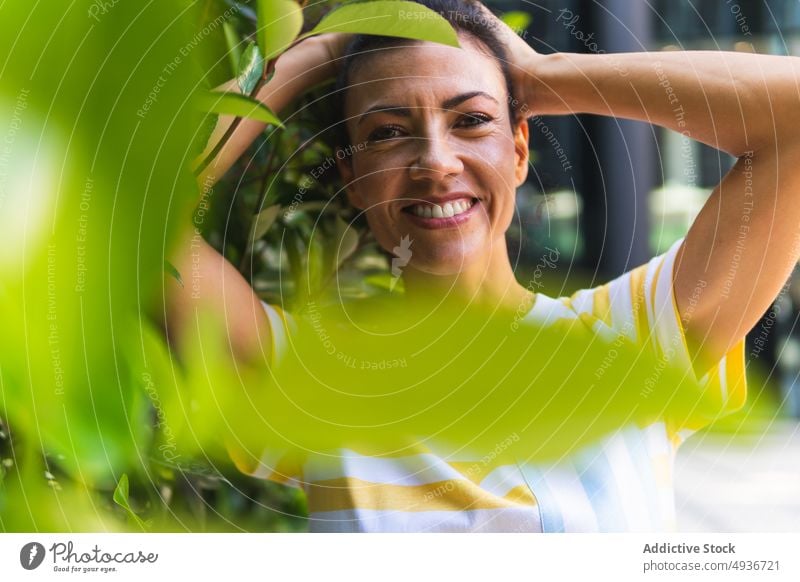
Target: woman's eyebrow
459,99
394,109
402,111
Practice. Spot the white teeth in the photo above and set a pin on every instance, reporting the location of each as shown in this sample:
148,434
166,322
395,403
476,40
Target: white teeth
449,209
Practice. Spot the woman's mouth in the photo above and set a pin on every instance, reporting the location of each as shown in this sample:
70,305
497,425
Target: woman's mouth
447,214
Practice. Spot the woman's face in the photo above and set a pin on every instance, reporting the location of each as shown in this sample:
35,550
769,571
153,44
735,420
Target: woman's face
433,156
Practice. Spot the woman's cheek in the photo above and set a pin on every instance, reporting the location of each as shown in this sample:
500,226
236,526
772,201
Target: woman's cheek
499,170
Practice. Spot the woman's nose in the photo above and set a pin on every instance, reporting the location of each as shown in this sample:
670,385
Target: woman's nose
436,159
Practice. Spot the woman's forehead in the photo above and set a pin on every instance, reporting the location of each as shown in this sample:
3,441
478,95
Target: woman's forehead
424,70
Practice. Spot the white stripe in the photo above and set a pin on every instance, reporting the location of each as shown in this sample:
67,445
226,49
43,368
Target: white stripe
634,502
667,325
567,490
659,446
277,330
410,470
654,312
506,520
502,480
547,311
583,301
622,319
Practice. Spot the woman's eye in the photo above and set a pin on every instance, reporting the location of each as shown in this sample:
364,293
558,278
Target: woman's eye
473,120
385,132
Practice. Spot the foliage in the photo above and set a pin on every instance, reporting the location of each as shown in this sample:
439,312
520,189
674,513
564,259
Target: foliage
100,427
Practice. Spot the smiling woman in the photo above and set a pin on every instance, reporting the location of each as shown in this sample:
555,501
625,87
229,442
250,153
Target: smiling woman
432,145
444,155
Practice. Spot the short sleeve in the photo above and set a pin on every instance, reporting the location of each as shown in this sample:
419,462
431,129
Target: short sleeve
641,305
274,465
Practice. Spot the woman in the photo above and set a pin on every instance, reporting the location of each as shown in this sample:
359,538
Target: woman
443,144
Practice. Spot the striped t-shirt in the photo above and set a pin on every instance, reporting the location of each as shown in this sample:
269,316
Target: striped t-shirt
622,483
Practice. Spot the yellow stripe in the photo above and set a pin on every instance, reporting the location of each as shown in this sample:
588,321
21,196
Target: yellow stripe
286,468
451,495
283,317
654,285
638,303
244,461
736,377
601,304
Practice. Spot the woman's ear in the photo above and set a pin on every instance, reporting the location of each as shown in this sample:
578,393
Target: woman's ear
521,151
344,164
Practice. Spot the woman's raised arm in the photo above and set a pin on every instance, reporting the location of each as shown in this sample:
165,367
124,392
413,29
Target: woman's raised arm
209,281
300,68
744,244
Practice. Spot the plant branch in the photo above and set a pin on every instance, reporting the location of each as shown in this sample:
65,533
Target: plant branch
268,69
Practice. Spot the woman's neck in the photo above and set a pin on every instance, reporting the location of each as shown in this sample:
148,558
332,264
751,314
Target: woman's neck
488,283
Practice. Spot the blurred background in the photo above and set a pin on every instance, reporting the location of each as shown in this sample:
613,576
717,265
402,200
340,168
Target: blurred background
94,435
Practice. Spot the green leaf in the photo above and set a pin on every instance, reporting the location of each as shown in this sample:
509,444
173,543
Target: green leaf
516,20
170,268
385,282
238,105
121,498
389,18
251,67
233,44
316,266
262,223
279,23
346,240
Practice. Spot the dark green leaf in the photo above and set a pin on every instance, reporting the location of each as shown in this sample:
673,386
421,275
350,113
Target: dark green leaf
251,67
170,268
262,223
237,105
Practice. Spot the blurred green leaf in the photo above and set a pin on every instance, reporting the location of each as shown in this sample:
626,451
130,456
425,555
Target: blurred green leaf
389,18
121,494
233,44
279,23
262,223
237,105
385,282
345,240
517,20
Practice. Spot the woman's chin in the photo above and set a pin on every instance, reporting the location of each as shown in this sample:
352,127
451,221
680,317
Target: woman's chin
445,264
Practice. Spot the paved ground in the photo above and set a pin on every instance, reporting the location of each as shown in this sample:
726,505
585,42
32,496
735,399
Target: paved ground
740,485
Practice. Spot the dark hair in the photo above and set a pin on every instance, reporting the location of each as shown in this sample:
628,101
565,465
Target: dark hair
465,16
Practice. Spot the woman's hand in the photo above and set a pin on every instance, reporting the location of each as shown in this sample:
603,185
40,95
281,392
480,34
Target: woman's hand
522,61
315,59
